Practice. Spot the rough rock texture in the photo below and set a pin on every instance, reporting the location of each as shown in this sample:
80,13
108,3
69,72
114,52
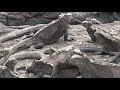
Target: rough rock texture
101,17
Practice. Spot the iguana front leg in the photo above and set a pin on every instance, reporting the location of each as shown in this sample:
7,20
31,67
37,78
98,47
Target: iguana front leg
55,71
66,35
66,38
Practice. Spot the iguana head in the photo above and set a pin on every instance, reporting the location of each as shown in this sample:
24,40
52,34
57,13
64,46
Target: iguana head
66,16
81,61
86,24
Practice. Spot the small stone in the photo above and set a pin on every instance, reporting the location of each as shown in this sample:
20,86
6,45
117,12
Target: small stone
39,46
31,75
78,77
76,56
21,68
77,51
70,39
46,76
27,36
23,76
49,51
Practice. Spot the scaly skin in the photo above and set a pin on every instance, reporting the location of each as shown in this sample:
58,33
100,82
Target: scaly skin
89,29
86,68
25,55
19,33
92,70
108,45
61,67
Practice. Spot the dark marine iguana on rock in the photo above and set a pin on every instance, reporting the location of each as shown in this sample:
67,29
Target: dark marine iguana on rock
47,35
26,55
86,68
65,71
90,30
19,33
92,70
61,68
109,46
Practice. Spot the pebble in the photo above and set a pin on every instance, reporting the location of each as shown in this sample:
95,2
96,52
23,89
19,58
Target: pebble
21,68
27,36
49,51
70,39
76,56
46,76
78,77
39,46
77,51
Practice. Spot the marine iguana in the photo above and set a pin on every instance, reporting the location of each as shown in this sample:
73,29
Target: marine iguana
90,30
19,33
38,68
26,55
86,68
97,50
91,70
108,47
42,65
61,68
47,35
13,59
64,71
107,44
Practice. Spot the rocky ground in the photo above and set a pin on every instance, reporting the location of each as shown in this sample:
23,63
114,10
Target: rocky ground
81,39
